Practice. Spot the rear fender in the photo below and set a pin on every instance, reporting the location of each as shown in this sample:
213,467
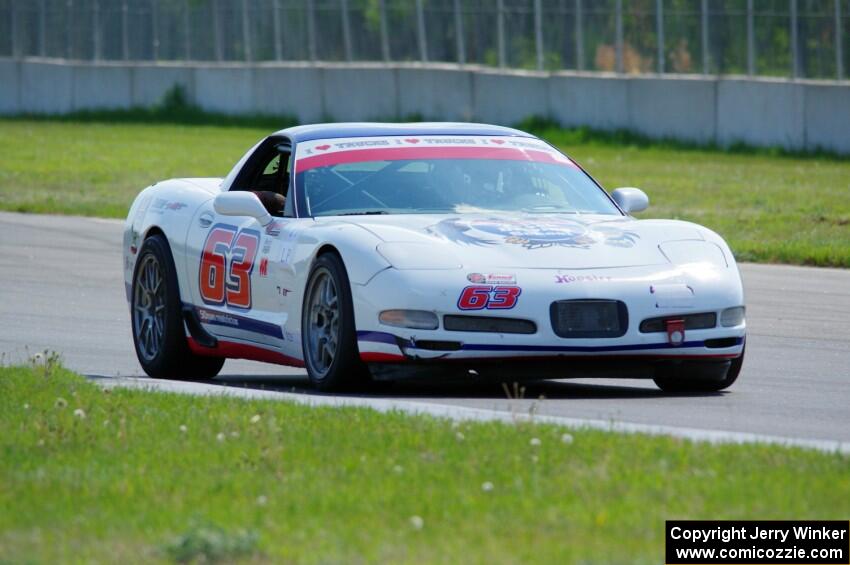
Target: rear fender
165,208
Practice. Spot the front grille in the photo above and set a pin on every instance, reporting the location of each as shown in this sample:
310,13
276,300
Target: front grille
490,324
589,318
702,321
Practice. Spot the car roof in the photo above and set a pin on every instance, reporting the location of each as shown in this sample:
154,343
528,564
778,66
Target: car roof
374,129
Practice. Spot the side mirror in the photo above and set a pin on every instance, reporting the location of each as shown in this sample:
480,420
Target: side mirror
630,199
242,203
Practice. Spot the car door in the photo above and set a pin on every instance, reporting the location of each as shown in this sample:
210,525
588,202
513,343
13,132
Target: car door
232,270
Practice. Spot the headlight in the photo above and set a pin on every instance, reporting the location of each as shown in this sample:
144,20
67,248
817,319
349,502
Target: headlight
687,252
732,316
414,319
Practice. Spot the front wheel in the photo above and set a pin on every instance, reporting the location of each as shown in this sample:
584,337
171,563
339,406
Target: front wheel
157,321
328,334
702,378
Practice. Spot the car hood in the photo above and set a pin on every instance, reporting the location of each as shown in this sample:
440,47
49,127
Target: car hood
521,241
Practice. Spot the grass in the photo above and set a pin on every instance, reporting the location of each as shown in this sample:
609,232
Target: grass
91,475
96,169
770,206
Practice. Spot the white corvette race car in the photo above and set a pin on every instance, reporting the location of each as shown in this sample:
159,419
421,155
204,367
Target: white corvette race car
432,251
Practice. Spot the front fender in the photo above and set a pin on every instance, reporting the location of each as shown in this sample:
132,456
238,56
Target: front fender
357,247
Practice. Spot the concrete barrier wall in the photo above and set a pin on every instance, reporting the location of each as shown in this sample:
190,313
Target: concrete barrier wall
760,112
677,108
599,102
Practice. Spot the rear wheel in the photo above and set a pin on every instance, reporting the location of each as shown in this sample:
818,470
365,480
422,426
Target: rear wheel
328,334
157,320
699,377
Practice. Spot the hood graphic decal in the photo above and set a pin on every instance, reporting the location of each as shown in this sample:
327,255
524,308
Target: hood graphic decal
531,233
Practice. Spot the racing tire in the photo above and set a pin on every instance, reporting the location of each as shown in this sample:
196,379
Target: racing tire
702,381
156,318
328,332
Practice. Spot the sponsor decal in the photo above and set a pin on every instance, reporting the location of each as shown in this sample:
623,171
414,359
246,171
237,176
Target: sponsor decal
491,278
322,153
341,145
363,143
273,229
489,297
220,318
449,141
264,267
283,291
284,251
531,233
565,279
528,143
162,204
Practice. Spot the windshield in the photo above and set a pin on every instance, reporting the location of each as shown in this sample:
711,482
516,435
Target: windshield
439,174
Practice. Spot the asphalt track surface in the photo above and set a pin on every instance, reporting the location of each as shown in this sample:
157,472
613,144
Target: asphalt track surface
61,289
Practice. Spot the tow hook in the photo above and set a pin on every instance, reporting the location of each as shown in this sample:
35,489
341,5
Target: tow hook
676,332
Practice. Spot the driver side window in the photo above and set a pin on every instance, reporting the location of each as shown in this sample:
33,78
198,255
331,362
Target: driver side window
266,174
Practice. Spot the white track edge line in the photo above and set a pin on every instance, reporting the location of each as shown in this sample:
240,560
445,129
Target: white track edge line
464,413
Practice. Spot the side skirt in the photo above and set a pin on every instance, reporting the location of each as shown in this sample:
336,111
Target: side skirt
234,350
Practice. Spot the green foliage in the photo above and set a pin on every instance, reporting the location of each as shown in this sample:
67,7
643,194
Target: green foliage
211,544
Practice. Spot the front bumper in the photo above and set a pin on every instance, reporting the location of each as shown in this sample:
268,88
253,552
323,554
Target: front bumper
394,352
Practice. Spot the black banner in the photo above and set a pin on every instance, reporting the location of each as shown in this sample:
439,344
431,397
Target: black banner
697,542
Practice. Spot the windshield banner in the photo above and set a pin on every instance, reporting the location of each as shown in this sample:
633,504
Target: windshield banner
327,153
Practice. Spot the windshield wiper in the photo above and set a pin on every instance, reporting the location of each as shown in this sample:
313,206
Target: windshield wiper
364,213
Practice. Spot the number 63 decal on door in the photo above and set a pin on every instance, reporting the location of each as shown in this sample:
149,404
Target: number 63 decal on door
226,265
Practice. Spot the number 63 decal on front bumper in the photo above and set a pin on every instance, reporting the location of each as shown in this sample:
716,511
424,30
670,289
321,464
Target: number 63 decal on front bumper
226,265
480,297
